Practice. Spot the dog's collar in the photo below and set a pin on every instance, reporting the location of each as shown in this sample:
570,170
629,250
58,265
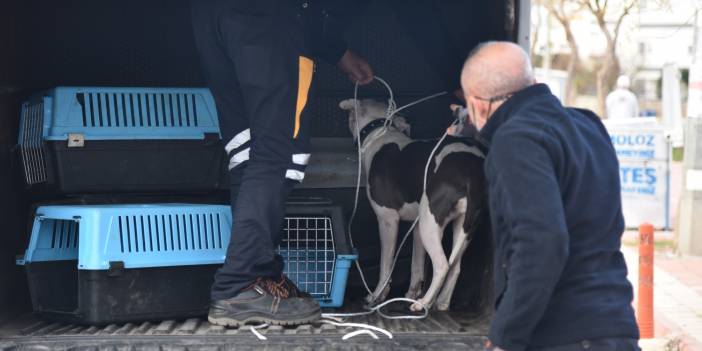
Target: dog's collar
369,128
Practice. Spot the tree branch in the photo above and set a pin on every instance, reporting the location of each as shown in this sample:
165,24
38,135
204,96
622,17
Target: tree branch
624,13
597,6
588,4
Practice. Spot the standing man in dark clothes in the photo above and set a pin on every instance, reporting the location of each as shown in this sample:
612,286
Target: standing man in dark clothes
258,59
560,278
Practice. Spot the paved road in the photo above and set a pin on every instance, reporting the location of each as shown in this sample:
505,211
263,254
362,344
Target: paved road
677,296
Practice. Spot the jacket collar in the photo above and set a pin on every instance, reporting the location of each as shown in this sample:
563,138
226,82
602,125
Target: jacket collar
510,106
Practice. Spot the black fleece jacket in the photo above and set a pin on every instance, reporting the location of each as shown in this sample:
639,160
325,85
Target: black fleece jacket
556,213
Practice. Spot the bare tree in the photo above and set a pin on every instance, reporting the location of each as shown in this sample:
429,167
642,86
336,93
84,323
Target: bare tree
602,11
563,11
535,26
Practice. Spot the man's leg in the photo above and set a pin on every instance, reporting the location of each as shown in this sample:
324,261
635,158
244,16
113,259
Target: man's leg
264,45
266,53
220,74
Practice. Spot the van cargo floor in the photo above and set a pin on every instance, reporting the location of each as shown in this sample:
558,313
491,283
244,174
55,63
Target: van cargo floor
440,331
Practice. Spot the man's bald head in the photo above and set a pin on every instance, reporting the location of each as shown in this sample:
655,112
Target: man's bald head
496,68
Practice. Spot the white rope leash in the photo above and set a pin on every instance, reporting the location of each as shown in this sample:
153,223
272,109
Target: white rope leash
254,330
377,309
359,332
359,325
358,184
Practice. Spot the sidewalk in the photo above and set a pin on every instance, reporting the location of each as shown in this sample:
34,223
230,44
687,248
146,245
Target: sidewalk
677,294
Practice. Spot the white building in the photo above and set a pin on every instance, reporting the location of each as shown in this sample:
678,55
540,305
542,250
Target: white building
654,34
662,34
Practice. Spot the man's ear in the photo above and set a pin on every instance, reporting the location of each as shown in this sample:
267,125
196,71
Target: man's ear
401,123
481,106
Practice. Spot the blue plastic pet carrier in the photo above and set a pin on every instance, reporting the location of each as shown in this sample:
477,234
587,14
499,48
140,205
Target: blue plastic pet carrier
88,140
116,263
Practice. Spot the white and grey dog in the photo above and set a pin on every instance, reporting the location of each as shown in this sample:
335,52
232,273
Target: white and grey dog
394,166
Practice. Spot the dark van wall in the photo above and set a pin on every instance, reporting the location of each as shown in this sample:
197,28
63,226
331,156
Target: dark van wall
114,42
13,292
418,46
11,287
149,43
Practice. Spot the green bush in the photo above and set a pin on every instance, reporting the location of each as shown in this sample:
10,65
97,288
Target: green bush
678,153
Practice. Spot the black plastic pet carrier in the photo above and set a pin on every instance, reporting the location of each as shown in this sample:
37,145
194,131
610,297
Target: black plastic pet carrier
104,140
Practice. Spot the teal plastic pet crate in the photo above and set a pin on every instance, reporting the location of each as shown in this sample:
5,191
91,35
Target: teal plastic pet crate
116,263
78,140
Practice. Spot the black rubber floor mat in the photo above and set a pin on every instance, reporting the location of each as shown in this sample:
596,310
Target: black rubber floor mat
442,331
289,343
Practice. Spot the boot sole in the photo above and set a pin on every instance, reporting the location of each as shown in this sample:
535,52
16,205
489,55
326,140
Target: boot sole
257,317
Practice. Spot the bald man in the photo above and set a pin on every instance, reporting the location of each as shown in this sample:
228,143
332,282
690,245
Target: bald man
560,278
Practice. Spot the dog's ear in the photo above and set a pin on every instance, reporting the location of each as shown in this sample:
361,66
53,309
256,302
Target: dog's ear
348,104
401,123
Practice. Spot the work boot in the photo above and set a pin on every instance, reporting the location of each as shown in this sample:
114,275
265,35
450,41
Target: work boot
266,301
292,288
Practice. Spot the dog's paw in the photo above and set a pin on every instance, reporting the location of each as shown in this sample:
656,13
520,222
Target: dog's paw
370,300
378,297
417,307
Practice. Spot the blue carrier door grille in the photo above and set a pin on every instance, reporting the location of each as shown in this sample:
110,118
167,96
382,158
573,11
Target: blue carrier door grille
64,234
170,232
53,240
308,249
31,141
120,109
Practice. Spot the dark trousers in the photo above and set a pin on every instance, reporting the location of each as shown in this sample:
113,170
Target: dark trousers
253,58
606,344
